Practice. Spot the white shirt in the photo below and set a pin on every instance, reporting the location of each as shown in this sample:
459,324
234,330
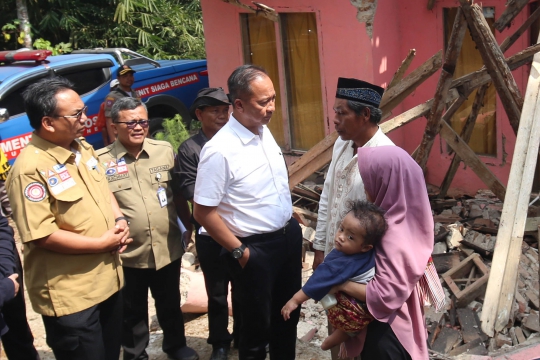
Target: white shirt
244,175
342,185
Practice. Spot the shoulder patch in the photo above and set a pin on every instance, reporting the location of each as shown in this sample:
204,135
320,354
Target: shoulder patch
35,191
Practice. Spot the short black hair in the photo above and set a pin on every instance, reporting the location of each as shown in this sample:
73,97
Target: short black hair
40,98
239,83
372,219
375,113
125,103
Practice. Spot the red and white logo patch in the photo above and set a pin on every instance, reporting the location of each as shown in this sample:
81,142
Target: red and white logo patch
35,192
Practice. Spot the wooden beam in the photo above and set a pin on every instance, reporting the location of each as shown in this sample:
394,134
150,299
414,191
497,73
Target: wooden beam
439,100
314,152
402,69
430,4
502,281
509,41
513,7
261,10
469,157
309,168
395,95
494,61
466,134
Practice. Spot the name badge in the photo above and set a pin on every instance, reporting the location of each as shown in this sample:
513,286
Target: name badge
162,197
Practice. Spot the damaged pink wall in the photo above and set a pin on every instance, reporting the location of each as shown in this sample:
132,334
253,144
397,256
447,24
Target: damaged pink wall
344,46
421,29
346,50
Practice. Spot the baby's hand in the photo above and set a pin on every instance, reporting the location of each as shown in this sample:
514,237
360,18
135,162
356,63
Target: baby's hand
289,307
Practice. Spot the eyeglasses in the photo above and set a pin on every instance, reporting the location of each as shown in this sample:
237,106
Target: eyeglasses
78,115
133,123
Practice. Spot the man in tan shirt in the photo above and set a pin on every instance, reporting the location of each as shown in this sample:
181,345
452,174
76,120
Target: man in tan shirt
139,173
66,215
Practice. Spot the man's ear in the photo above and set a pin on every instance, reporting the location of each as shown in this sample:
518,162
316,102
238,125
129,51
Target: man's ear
367,113
198,114
47,123
237,105
115,130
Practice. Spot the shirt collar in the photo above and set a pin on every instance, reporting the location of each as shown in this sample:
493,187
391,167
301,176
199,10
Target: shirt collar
374,138
242,132
59,153
120,151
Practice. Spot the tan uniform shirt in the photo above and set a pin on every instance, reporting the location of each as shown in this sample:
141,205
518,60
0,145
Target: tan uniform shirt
49,192
135,184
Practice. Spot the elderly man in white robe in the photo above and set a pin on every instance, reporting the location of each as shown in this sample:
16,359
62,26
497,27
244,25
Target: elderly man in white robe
356,120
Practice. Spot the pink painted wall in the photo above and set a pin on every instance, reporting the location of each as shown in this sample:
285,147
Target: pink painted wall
346,50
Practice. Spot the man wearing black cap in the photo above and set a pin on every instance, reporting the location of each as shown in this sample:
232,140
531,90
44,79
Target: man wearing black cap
211,108
124,75
356,120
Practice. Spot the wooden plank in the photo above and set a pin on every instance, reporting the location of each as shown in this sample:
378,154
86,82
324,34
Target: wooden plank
446,340
395,95
469,157
314,152
402,69
445,79
322,159
469,331
466,134
502,282
306,213
509,41
262,10
513,7
495,63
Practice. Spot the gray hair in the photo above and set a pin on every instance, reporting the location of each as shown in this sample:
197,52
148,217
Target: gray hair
239,83
358,107
125,103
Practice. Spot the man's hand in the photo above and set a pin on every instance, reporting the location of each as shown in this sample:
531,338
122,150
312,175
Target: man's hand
13,278
116,239
289,307
244,259
318,258
187,238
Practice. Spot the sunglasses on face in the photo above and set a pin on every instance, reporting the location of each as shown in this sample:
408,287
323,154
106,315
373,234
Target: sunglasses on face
133,123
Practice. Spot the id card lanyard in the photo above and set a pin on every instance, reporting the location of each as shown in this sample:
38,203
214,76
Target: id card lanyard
161,193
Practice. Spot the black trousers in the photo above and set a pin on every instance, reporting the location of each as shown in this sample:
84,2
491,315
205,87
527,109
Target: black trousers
164,285
270,278
216,280
18,342
91,334
382,344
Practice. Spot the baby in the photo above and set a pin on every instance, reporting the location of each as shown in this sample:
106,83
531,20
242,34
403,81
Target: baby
353,259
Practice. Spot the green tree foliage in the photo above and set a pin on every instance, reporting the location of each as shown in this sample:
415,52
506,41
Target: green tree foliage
174,132
165,29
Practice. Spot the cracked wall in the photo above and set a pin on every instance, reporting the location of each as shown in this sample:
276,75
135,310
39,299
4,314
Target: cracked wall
366,13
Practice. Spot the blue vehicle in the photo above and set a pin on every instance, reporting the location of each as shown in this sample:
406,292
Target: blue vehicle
168,87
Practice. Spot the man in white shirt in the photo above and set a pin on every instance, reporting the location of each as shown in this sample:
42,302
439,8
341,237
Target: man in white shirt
242,198
356,120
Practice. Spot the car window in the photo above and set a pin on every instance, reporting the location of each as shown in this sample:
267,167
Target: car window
86,80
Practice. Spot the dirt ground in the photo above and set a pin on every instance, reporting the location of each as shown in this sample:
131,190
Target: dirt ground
196,326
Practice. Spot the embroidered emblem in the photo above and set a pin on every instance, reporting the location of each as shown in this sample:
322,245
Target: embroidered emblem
53,181
35,192
121,162
361,94
64,176
59,168
122,169
110,171
51,173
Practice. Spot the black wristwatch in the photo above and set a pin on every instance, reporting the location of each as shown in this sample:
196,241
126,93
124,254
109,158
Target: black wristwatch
238,252
122,218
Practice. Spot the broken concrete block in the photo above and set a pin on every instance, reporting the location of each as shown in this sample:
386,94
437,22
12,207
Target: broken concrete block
503,340
512,334
453,239
446,261
308,233
533,298
448,338
439,248
466,348
469,329
483,243
188,259
519,335
531,322
475,210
